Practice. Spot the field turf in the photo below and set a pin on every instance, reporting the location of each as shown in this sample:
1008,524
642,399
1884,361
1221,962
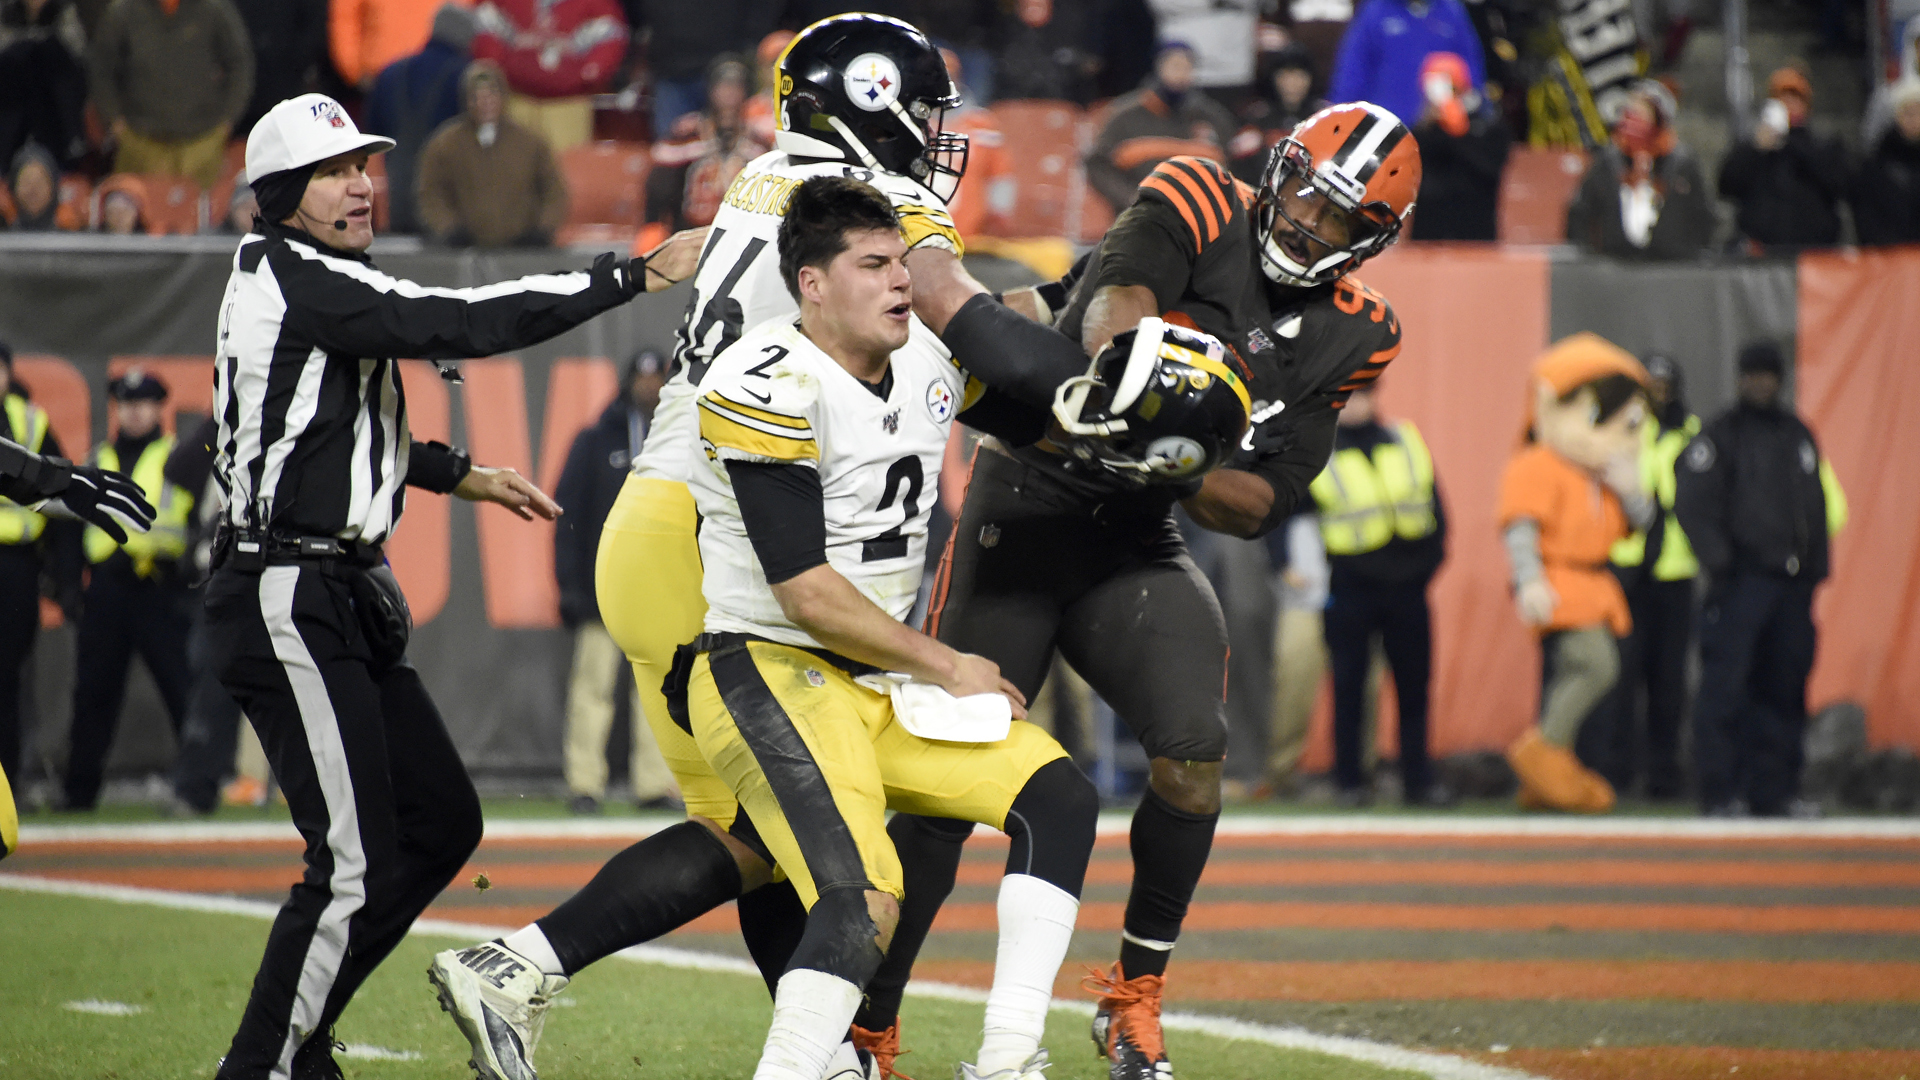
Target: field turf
186,973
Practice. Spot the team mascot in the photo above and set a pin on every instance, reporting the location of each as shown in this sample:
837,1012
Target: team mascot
1573,489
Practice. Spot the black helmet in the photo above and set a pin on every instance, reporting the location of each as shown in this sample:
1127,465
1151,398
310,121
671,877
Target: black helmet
869,90
1161,404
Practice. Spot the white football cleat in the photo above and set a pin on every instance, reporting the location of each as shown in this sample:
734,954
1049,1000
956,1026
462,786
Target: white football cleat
850,1063
1033,1069
499,998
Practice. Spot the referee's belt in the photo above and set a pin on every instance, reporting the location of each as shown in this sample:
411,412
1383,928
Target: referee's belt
674,686
252,549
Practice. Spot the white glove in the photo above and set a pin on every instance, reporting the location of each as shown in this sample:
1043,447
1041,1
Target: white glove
1536,600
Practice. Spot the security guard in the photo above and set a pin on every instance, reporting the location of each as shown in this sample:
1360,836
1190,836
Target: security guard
24,548
1759,503
1386,532
37,484
137,597
306,622
1656,568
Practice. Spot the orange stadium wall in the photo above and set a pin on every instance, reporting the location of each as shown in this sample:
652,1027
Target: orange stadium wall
1858,385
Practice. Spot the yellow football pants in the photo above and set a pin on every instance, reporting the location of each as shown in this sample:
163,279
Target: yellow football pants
647,576
817,760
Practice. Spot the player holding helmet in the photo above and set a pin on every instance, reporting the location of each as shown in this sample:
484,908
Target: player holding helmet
1071,544
858,96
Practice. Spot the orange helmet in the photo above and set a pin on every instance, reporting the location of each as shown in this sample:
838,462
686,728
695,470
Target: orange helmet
1345,181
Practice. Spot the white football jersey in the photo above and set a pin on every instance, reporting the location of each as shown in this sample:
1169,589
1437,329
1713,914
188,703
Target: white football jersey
738,284
775,397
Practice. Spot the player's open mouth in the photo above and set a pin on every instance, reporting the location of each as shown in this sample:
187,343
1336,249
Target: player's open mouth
900,310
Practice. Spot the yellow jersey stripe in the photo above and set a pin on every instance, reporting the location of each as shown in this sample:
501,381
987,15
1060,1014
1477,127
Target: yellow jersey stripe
785,420
727,434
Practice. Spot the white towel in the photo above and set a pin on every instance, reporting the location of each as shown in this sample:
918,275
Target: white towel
930,712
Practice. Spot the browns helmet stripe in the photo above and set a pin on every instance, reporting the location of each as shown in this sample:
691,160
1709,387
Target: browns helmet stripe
1369,144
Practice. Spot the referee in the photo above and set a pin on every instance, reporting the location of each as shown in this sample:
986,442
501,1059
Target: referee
307,626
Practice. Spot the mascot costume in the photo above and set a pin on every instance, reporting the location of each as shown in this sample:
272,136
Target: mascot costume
1573,489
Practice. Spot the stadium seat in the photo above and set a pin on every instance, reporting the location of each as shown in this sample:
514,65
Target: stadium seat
606,183
1041,142
1535,192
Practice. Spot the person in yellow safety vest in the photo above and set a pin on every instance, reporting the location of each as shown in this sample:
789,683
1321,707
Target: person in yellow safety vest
137,596
1385,532
26,548
1656,568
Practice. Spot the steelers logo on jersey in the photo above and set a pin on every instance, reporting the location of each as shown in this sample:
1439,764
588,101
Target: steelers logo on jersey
873,82
939,401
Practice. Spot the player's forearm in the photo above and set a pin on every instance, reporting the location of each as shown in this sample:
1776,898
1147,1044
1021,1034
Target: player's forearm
1233,502
1114,309
941,284
841,618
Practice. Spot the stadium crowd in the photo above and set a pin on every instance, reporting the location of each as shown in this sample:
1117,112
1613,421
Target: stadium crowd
516,116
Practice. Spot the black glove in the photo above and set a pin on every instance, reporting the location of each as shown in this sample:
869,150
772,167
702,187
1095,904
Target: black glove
106,499
629,275
1262,441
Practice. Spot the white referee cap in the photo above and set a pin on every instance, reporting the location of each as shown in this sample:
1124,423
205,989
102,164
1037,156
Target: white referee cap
304,130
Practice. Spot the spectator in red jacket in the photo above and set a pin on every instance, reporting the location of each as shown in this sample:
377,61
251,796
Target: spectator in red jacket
557,54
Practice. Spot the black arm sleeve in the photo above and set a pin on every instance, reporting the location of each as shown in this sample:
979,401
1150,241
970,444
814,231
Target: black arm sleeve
436,467
1005,419
1012,353
348,308
785,513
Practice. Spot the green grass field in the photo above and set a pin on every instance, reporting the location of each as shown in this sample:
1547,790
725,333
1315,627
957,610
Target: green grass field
188,973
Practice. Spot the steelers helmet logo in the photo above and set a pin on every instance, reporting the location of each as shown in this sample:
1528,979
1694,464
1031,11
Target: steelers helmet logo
939,401
873,82
1175,456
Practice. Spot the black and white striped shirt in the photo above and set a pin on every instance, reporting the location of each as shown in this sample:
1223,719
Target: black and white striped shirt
313,419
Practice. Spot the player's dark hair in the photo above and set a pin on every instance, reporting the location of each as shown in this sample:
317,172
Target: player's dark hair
819,216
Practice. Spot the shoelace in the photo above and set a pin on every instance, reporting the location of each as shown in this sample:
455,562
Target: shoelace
1135,1005
885,1048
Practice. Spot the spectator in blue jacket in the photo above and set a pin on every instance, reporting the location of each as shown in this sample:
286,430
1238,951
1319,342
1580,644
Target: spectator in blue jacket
412,98
1386,44
596,469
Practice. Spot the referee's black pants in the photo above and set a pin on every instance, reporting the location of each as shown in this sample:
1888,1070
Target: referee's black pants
125,614
19,623
373,781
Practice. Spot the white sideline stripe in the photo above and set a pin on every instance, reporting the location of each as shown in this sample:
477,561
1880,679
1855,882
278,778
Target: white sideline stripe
1435,1065
1111,824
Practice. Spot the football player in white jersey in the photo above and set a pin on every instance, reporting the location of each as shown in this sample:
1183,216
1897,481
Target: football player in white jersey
812,699
649,571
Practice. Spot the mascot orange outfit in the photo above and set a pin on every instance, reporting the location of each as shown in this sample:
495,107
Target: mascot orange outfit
1571,491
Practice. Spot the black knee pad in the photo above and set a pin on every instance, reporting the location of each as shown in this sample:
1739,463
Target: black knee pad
1052,824
840,936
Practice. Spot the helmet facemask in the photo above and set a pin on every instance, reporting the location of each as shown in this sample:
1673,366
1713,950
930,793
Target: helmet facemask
1332,227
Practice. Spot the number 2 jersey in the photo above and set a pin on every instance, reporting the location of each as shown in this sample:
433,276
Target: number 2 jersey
738,284
774,398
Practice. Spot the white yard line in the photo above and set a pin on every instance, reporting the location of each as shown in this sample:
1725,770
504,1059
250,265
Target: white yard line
1427,1063
1111,824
